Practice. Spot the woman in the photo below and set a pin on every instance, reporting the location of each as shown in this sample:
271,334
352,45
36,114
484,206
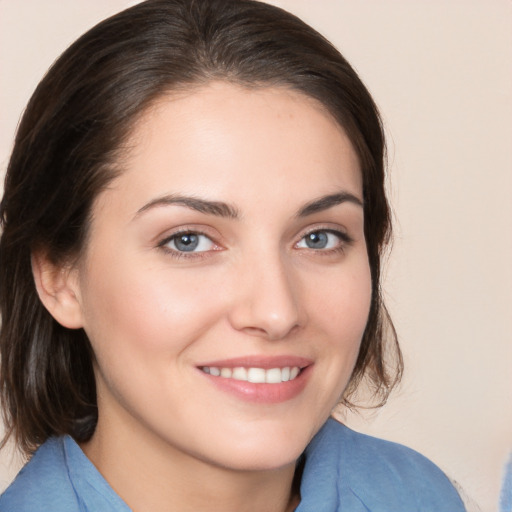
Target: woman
193,220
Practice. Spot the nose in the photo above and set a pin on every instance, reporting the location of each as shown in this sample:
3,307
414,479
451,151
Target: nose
267,299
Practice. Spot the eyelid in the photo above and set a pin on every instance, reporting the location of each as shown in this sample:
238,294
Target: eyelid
164,240
336,230
176,240
197,229
344,239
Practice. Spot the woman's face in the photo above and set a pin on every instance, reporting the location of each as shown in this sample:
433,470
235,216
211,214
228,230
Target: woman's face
225,287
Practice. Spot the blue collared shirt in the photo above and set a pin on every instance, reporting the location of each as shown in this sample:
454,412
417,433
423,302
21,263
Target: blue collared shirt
344,471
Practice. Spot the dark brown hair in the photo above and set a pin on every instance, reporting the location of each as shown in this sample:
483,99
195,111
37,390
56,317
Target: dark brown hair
71,137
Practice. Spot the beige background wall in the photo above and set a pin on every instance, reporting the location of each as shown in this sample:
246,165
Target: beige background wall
440,71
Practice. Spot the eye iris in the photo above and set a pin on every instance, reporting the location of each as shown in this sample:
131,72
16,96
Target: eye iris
317,240
186,242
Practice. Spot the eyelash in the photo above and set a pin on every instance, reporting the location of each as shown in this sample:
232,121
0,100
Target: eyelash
183,254
343,237
344,241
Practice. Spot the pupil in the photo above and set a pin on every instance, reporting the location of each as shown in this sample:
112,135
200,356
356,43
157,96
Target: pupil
316,240
187,242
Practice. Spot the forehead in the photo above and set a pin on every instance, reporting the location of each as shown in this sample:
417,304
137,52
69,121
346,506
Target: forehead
227,140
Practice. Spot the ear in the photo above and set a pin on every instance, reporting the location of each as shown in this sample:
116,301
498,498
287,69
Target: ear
58,289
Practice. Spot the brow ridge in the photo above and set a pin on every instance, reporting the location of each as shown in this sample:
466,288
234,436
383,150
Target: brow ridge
222,209
217,208
328,201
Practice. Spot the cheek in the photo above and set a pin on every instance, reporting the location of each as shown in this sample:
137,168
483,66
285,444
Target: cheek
342,311
342,308
339,305
134,312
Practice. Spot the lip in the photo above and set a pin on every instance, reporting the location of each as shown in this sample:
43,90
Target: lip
264,362
261,393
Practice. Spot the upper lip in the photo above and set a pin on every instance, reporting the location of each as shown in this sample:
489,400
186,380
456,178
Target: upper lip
255,361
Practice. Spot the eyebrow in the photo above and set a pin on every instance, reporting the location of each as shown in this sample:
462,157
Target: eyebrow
216,208
221,209
326,202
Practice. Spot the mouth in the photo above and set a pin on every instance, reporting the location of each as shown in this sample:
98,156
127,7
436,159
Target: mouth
254,374
260,379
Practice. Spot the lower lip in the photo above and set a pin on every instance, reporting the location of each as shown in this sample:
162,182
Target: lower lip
262,393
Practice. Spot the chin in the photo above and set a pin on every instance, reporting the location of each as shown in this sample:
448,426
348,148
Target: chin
261,459
268,450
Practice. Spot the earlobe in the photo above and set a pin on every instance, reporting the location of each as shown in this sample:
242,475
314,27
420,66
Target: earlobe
58,290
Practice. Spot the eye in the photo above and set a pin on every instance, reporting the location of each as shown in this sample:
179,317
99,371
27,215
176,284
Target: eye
322,239
188,242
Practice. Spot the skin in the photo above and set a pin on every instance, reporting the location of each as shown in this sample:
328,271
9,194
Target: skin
254,288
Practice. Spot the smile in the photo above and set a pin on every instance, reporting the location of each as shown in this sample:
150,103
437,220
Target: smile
253,374
259,379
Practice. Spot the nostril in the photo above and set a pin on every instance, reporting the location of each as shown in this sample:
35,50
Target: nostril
271,333
255,331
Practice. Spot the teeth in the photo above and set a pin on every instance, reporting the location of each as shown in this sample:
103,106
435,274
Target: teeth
255,375
273,376
226,373
239,374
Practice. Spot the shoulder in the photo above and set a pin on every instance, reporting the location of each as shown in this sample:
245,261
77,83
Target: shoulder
43,485
378,474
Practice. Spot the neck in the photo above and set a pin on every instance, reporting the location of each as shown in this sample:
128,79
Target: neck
150,475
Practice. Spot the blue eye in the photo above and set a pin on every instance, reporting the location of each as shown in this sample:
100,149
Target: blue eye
189,242
321,239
